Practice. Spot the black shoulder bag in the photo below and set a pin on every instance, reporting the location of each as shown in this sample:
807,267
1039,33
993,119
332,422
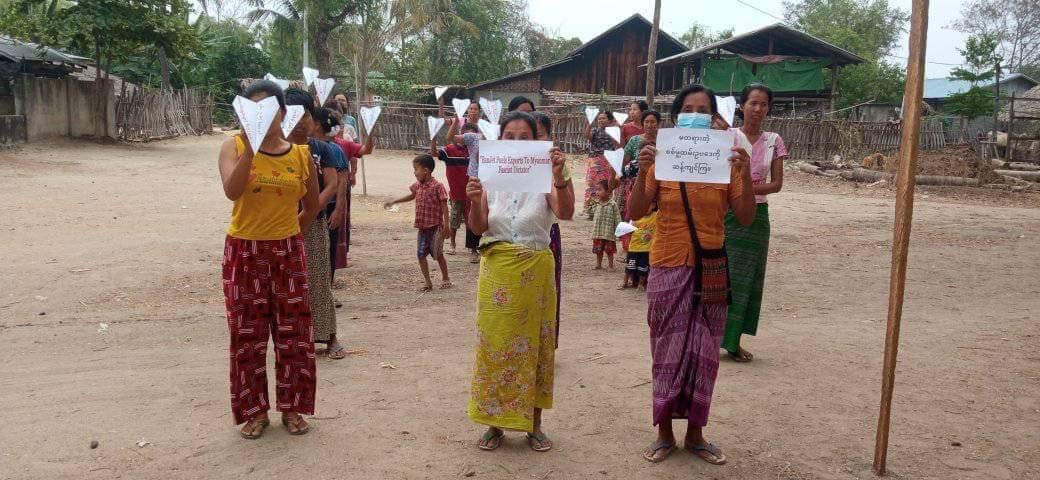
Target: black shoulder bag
711,270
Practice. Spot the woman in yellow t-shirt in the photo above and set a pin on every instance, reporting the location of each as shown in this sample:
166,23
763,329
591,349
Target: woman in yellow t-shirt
265,272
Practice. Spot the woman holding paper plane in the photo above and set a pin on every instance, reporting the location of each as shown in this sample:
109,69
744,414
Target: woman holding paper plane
748,246
264,267
598,166
516,300
651,121
687,290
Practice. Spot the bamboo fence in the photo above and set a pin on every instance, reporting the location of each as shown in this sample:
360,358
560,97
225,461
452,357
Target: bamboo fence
145,114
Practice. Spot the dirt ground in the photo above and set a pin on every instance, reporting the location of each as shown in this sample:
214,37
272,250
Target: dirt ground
131,237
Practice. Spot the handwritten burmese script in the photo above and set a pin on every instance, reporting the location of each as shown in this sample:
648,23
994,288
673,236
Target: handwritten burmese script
688,155
515,166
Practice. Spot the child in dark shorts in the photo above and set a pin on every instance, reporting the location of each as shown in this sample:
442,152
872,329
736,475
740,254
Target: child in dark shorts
637,265
431,218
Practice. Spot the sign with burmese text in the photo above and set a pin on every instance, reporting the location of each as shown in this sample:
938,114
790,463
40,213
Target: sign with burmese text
515,166
693,155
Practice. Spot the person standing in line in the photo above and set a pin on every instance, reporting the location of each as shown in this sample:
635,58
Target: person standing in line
319,275
634,125
265,272
471,139
431,218
748,247
598,166
339,210
455,156
688,287
630,166
341,104
516,300
545,129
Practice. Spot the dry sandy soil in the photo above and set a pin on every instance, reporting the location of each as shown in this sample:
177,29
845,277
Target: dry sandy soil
131,236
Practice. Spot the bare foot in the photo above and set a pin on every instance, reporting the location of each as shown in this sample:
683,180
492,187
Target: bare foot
426,288
446,285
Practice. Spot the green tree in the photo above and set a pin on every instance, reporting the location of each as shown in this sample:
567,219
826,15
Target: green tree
980,60
868,28
699,35
544,47
1014,24
322,18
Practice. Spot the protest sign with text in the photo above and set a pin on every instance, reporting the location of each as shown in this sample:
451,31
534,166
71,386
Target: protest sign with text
693,155
515,166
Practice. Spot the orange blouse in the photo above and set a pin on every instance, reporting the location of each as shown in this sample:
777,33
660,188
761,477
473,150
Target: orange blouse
709,202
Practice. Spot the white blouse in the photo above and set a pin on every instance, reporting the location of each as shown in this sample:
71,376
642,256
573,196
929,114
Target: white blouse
520,218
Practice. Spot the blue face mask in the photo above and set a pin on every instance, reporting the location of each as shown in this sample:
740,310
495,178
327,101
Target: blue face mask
693,120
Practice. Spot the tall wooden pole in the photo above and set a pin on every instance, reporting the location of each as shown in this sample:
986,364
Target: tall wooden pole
905,183
651,56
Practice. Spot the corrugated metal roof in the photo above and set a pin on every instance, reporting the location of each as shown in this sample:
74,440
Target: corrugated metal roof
935,88
17,51
785,40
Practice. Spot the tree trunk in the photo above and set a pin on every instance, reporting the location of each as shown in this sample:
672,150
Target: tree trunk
164,64
99,99
651,60
322,53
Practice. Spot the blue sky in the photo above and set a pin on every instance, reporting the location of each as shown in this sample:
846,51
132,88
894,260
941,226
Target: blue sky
587,18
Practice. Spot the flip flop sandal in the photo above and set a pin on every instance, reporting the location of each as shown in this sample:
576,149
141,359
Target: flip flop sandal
338,354
490,441
542,441
737,357
258,433
651,454
717,457
296,423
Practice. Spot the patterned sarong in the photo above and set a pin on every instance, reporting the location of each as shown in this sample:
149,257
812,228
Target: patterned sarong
748,249
319,280
684,344
516,315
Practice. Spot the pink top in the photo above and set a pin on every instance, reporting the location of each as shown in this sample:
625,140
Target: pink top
767,148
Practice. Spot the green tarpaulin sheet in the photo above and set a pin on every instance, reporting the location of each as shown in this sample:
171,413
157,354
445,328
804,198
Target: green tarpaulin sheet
725,75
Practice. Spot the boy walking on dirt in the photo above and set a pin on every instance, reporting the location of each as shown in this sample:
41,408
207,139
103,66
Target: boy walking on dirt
431,218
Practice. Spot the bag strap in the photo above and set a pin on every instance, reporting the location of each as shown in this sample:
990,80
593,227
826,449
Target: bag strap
689,221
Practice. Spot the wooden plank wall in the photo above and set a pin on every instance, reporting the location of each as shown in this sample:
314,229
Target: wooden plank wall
610,65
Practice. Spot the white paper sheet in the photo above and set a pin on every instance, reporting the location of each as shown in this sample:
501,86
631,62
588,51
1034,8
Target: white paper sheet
255,117
515,166
460,105
616,158
624,228
727,108
309,76
281,83
620,117
439,92
615,133
689,155
324,87
293,114
435,124
492,109
590,113
369,115
488,129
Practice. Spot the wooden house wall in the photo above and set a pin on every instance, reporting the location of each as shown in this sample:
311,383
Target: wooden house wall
611,65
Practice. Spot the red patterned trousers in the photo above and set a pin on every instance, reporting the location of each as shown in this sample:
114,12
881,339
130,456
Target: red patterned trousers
265,292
